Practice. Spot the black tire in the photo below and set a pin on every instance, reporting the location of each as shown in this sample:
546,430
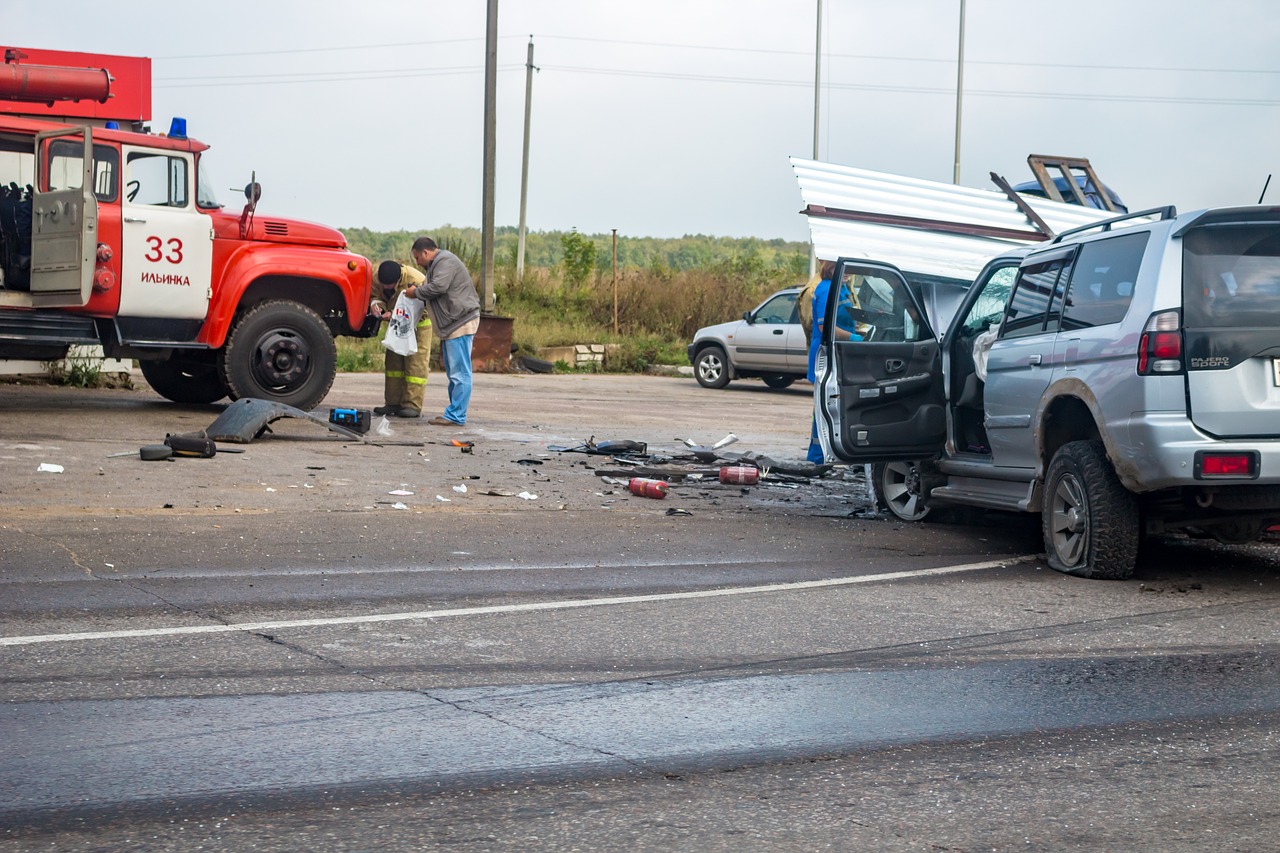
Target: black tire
189,379
778,380
1090,521
537,365
902,488
711,367
280,351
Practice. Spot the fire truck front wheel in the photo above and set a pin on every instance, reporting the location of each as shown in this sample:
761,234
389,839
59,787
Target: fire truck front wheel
282,351
185,378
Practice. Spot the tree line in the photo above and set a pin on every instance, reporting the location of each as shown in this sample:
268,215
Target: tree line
751,257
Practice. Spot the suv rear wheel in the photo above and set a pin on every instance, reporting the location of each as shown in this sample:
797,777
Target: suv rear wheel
1090,521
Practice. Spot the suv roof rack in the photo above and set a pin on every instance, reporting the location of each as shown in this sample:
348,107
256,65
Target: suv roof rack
1162,213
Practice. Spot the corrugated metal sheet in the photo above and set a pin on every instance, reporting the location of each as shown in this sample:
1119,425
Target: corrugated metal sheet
919,250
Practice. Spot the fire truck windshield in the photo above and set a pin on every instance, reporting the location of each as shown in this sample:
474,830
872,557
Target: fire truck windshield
205,196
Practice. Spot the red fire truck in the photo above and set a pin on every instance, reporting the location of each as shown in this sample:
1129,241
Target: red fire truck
112,235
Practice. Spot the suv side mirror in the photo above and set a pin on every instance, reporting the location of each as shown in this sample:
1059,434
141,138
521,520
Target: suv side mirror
746,315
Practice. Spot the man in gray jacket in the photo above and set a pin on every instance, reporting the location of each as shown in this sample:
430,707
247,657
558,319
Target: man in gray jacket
451,300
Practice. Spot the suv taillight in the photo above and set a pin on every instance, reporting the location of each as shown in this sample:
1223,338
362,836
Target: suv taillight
1160,349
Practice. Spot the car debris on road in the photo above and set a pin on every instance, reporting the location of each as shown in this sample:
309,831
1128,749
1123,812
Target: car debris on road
249,418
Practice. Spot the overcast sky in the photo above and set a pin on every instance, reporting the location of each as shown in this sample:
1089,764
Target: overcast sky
671,117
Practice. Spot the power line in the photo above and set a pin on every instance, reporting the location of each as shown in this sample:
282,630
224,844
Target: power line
328,77
349,74
734,49
913,89
318,49
224,80
948,61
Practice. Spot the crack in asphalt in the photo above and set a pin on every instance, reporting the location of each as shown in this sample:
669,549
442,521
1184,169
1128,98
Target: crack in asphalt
455,705
75,558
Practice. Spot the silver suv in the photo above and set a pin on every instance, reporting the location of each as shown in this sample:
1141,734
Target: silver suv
1121,380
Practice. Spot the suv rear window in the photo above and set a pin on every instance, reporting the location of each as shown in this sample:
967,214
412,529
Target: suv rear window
1102,281
1231,276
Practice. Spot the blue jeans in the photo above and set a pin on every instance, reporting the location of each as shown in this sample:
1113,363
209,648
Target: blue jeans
815,447
455,353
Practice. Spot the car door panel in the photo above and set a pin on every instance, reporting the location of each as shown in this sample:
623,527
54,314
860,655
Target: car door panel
879,399
1021,362
761,346
1018,372
890,399
797,360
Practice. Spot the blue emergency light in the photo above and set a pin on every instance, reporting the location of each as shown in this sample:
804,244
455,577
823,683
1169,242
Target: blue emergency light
178,128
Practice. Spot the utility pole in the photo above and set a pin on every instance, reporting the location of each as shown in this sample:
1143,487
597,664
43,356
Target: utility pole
955,177
524,160
817,80
490,155
817,105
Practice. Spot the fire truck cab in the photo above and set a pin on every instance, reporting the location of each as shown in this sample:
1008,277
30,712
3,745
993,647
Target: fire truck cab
113,235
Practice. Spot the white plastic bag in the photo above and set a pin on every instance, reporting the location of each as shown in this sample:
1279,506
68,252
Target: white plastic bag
402,337
981,346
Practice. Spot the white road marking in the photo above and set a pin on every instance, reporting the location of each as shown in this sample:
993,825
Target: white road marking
255,627
349,571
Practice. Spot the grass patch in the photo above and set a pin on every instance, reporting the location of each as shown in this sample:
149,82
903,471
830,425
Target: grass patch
82,368
361,355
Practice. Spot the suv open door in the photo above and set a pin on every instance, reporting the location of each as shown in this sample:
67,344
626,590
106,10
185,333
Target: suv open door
880,394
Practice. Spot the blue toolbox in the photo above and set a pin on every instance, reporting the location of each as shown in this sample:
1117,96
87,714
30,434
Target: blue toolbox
352,419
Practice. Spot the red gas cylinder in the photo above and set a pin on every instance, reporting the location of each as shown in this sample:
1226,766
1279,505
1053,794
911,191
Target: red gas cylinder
647,488
740,475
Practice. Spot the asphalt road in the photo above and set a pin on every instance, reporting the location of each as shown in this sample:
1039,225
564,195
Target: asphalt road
270,651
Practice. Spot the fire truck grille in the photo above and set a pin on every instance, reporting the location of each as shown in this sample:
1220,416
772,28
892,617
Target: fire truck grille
276,229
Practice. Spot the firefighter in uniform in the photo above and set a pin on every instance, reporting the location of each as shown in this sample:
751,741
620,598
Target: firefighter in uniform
406,375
